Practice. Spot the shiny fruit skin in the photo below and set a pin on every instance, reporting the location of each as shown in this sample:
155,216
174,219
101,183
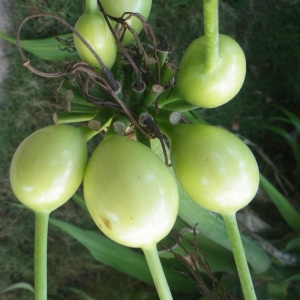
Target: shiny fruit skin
48,167
131,195
94,29
204,88
116,8
214,167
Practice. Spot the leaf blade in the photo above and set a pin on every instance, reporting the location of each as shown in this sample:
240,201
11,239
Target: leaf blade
121,258
291,216
46,48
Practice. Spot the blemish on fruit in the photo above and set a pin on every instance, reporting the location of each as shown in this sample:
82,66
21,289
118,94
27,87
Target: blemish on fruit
106,222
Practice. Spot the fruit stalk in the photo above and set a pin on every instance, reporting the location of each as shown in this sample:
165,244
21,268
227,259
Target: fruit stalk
211,32
239,256
157,273
40,255
91,5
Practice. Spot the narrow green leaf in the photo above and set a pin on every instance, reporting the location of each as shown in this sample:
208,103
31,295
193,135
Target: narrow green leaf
293,144
279,119
219,259
80,201
19,285
288,212
46,48
122,258
293,245
81,293
294,119
293,278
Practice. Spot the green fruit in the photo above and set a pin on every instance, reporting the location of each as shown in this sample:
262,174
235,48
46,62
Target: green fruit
211,88
130,193
116,9
48,167
94,29
214,167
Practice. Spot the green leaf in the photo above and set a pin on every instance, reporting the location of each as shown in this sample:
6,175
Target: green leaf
293,245
294,119
81,293
19,285
293,278
80,201
219,259
293,144
122,258
47,48
288,212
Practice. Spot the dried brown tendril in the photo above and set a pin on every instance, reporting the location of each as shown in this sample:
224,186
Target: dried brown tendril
196,261
87,76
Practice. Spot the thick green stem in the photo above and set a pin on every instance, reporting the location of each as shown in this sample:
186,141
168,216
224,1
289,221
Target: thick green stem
157,273
91,5
239,256
211,32
65,117
40,255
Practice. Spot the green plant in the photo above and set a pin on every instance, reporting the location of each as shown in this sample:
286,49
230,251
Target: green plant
293,120
46,170
131,106
187,210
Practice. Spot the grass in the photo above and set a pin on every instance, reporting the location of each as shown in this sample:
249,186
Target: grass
268,32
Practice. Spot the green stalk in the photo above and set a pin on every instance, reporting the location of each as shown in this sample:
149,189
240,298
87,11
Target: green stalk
168,71
80,108
239,256
91,5
40,255
65,117
90,130
211,31
157,273
154,92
